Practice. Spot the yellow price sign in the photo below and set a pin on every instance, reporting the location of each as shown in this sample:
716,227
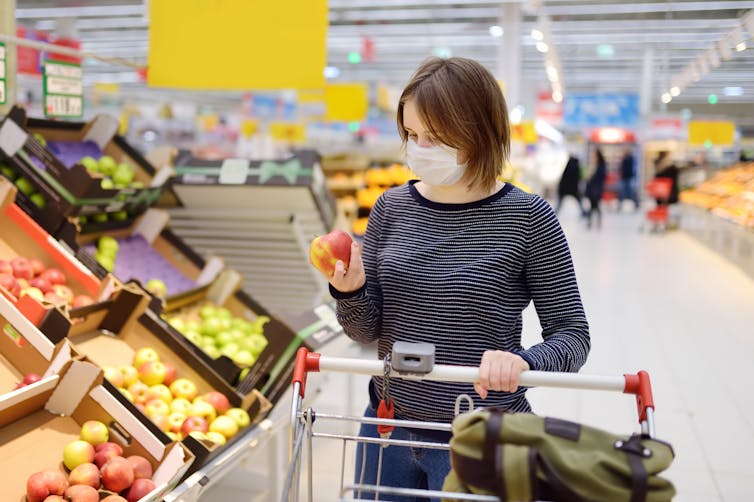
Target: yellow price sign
346,102
524,132
711,132
287,131
249,127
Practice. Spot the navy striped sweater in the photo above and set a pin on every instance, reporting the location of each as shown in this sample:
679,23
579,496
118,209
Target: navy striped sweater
459,276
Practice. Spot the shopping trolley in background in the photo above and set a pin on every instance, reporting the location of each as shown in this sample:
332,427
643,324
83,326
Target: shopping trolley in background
405,363
659,217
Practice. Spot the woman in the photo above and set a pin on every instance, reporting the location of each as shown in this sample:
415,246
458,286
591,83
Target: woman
453,260
595,187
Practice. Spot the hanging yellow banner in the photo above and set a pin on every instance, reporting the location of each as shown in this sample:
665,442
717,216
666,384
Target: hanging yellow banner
716,133
346,102
287,131
237,44
524,132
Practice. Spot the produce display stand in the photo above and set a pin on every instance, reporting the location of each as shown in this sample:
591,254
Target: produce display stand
731,240
69,189
260,216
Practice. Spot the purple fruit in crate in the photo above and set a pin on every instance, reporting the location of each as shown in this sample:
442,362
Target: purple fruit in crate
157,288
107,165
90,163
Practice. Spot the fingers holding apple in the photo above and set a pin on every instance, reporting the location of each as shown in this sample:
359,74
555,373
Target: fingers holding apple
349,277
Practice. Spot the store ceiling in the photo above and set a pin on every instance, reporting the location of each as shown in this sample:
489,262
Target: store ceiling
601,44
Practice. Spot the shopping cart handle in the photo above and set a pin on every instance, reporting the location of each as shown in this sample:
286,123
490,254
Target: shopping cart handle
305,362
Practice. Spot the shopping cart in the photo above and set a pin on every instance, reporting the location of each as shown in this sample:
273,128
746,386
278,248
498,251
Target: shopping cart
659,189
394,366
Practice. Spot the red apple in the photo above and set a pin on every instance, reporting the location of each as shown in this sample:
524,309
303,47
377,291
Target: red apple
114,376
54,498
203,409
54,275
82,493
157,407
81,301
30,378
113,498
139,391
33,292
55,299
144,355
161,392
218,400
141,466
326,250
37,266
170,373
194,424
63,292
42,484
105,452
184,388
77,452
175,421
152,372
130,375
117,474
5,267
9,282
42,284
140,489
21,268
85,474
94,432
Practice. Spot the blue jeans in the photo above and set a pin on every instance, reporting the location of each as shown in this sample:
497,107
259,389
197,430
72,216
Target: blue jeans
402,467
627,190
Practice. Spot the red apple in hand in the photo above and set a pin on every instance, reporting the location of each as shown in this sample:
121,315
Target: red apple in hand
42,484
326,250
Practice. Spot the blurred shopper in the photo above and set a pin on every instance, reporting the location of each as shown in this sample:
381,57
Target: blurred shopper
627,187
570,183
453,260
666,168
595,187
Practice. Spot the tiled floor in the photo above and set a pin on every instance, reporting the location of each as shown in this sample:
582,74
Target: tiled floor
663,303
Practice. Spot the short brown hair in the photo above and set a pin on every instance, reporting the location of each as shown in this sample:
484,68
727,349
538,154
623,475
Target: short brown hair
461,104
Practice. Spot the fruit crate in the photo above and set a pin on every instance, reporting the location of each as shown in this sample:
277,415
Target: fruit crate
147,250
54,169
39,420
21,236
226,323
110,335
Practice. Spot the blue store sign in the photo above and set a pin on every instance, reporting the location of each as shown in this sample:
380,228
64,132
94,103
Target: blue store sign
621,110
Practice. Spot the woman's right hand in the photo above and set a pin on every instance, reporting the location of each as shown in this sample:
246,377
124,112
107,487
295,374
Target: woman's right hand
352,279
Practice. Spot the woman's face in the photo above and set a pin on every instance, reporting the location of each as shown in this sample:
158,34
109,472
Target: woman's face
417,131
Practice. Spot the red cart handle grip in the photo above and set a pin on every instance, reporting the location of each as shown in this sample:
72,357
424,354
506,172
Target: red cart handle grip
641,387
305,362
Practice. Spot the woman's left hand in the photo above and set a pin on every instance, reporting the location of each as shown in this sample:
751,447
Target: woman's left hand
499,370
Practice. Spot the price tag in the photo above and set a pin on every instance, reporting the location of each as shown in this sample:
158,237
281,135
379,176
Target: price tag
2,92
2,73
234,171
63,89
63,106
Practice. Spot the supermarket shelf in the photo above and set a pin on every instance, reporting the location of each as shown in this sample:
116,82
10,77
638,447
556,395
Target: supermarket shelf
268,247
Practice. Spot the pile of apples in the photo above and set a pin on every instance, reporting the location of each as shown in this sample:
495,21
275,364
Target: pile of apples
22,276
93,463
114,175
217,332
173,403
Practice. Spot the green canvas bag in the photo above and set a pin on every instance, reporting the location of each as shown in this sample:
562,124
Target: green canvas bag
522,457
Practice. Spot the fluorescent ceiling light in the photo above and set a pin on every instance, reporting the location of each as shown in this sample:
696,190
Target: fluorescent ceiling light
733,91
605,51
741,46
666,98
537,35
332,72
496,31
542,47
675,91
557,96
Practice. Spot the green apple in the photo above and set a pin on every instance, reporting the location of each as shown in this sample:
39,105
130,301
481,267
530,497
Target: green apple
120,216
123,175
99,218
107,261
41,139
177,323
107,245
212,327
193,326
216,437
256,344
25,186
230,349
90,163
207,312
107,184
244,358
9,172
157,287
223,313
258,323
224,338
240,416
193,336
107,165
38,200
137,184
224,425
212,351
243,374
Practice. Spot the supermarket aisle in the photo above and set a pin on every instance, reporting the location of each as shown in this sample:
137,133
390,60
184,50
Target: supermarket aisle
662,303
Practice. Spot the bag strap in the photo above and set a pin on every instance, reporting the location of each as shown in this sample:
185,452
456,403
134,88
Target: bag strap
556,482
635,452
492,454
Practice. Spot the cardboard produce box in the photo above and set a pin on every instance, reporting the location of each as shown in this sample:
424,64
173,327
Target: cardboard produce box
22,236
53,168
147,250
38,421
113,331
224,294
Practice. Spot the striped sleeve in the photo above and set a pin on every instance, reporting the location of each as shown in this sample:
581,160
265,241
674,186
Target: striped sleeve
552,284
360,313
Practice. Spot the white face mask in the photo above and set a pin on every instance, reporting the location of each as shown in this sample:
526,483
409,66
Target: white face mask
435,165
